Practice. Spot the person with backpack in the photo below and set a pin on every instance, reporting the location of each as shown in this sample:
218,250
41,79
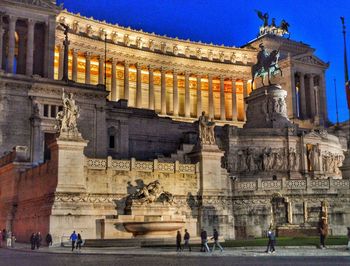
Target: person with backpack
187,240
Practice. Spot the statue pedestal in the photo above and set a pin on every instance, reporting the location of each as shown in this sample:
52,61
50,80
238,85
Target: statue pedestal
267,108
345,168
70,158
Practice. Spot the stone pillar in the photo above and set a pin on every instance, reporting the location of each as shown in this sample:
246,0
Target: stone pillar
60,61
210,96
187,95
1,43
199,96
322,99
37,147
70,159
312,96
50,35
87,67
11,44
151,88
222,98
302,96
163,92
245,95
293,92
175,94
101,69
138,86
74,65
30,48
114,93
234,100
126,80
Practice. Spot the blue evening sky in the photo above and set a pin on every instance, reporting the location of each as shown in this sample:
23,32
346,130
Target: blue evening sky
234,23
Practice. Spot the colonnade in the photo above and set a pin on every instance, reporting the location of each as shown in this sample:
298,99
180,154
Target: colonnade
117,92
309,90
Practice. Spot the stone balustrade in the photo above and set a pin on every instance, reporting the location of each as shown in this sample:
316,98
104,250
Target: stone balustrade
141,166
260,186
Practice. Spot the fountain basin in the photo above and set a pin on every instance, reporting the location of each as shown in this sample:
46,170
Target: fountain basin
153,229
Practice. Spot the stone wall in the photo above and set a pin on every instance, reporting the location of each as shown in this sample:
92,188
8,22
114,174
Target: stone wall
300,207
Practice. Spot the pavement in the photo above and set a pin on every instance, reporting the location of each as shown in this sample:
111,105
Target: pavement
288,251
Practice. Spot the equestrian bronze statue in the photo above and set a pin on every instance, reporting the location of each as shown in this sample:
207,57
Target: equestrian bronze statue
267,65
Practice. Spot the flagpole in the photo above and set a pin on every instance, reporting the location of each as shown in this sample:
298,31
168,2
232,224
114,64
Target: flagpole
336,101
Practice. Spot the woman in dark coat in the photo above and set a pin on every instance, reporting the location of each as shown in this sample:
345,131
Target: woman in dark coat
32,241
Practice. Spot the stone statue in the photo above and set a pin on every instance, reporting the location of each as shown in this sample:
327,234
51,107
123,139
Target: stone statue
149,194
265,28
67,119
263,17
206,130
267,65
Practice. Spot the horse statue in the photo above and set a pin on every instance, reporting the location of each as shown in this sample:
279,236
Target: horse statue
266,67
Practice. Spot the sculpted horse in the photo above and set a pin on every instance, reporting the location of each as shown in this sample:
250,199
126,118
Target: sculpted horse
268,66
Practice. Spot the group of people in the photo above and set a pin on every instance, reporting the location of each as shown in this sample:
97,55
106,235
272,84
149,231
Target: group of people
8,238
77,241
204,241
36,239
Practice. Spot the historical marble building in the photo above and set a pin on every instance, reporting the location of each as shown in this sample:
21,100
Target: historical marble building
139,95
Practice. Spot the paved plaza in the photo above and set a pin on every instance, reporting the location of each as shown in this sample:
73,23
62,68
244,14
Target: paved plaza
22,255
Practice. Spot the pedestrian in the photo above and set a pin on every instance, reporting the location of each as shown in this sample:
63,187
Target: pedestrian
38,239
272,240
74,238
13,240
187,240
178,241
0,239
8,239
204,241
216,240
323,230
348,248
32,241
79,242
48,240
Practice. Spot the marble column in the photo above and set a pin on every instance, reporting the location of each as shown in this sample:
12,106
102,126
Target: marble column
87,67
11,44
234,100
101,69
74,65
199,96
302,96
322,98
151,88
60,61
163,91
210,96
312,95
1,44
1,38
114,92
175,94
187,95
222,98
138,85
30,48
245,95
126,80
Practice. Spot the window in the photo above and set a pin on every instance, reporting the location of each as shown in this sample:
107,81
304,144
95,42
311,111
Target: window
53,111
46,110
111,142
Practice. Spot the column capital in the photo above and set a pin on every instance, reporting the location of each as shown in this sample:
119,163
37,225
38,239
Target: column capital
31,22
114,60
75,51
88,55
12,18
222,77
126,62
186,73
309,75
138,66
101,57
210,76
198,76
163,69
175,71
300,74
233,79
150,67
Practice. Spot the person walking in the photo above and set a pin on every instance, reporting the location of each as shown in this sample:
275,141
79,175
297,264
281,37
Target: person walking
13,240
0,239
323,229
79,242
271,243
48,239
216,241
74,238
204,241
178,241
38,239
8,239
32,241
187,240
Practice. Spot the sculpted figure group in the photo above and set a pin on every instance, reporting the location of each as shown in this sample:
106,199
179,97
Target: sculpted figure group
149,194
206,130
67,118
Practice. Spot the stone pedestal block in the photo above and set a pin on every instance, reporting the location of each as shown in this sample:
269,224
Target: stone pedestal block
345,169
267,108
70,165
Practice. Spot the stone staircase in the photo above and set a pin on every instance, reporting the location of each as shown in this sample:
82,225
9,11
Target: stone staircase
179,155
